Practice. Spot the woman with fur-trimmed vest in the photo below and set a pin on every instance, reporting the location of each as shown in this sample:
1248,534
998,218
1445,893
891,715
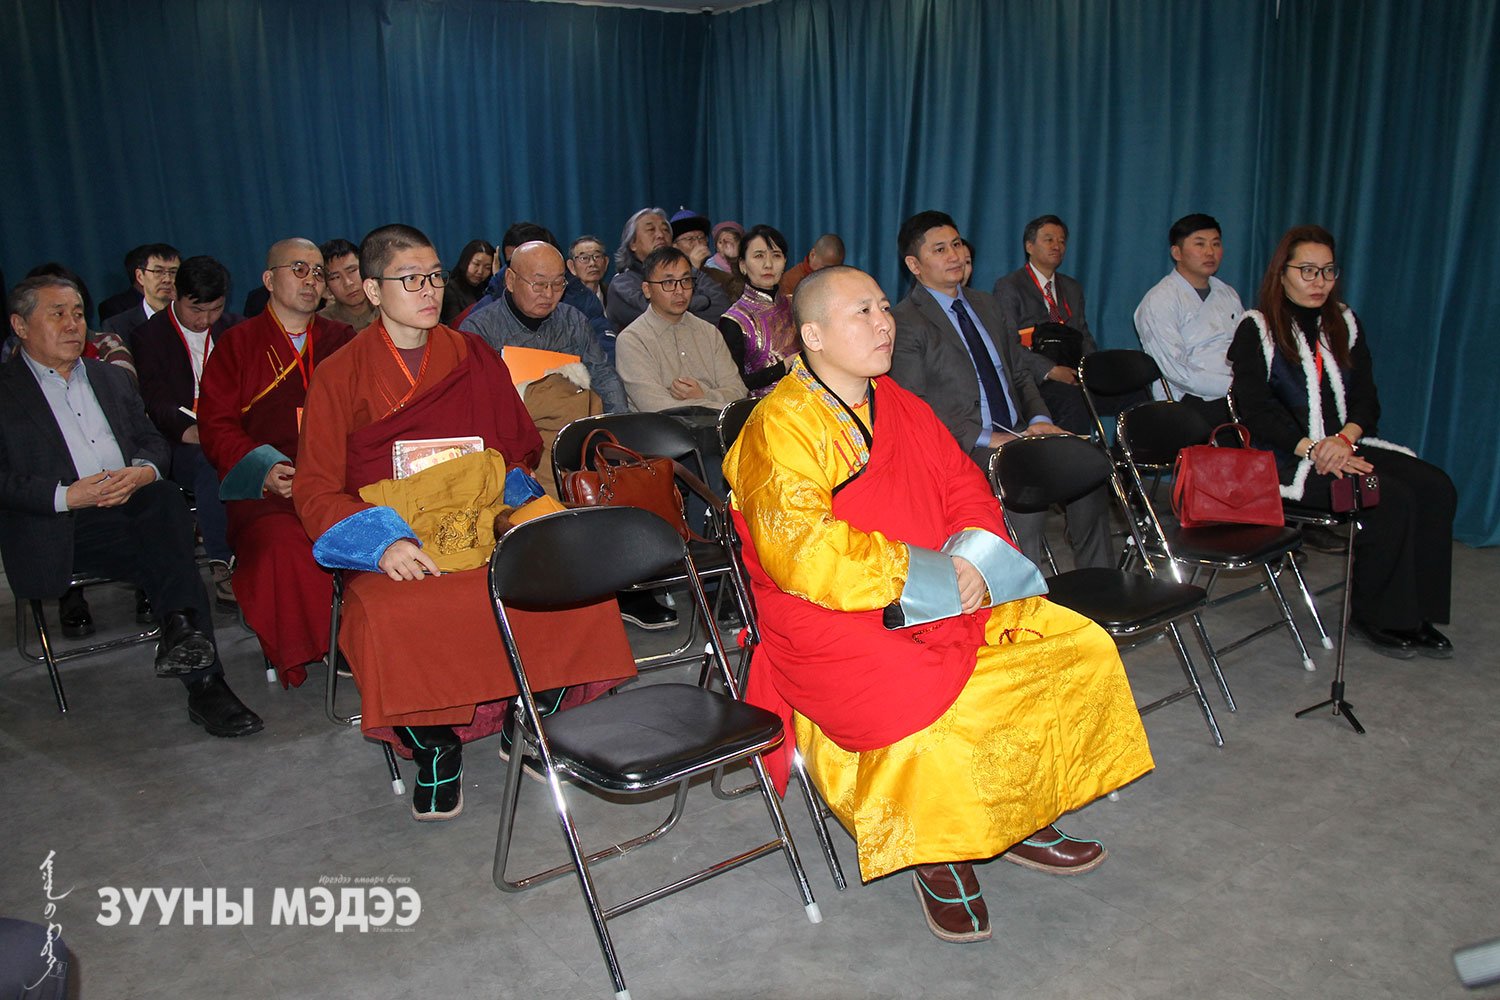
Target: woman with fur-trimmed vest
1303,335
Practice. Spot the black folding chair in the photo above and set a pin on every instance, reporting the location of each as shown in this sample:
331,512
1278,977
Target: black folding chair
331,685
658,435
732,420
1150,436
644,738
1033,473
1107,377
52,656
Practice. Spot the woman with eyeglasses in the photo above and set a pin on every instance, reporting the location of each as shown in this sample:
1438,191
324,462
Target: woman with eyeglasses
758,327
476,262
1302,382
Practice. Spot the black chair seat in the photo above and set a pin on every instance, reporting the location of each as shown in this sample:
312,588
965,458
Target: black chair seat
1123,603
657,733
1231,545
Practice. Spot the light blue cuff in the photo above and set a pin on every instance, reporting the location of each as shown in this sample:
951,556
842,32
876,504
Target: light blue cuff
147,463
247,480
1008,575
1039,419
521,487
359,540
931,591
60,499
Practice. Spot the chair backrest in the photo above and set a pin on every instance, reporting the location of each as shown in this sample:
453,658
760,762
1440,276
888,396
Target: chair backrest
653,434
578,556
732,420
1031,474
1152,434
1117,372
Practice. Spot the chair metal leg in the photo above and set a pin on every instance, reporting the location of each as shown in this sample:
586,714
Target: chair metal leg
331,661
784,834
1194,687
816,811
47,654
1213,661
1307,598
1286,615
398,787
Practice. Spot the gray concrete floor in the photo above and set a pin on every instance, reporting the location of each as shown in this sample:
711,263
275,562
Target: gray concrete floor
1300,860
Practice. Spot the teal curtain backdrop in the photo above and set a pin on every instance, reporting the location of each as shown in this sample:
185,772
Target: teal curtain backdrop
221,125
1377,119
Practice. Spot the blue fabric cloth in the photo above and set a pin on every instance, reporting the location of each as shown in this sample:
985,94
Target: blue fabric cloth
521,487
1008,575
359,540
247,480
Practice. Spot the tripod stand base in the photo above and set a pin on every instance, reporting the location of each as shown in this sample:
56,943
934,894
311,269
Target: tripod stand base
1340,707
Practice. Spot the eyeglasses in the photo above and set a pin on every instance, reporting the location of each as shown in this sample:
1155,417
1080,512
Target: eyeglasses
672,284
302,269
592,257
543,287
415,282
170,272
1310,272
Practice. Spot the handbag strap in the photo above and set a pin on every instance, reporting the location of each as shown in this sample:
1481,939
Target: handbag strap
1241,429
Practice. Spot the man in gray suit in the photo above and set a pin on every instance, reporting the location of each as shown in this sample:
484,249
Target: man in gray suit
1036,293
81,491
955,350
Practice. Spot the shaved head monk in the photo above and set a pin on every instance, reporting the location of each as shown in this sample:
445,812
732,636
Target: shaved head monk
249,408
407,378
927,689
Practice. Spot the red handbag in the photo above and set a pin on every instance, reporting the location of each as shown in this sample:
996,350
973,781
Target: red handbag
1219,485
622,477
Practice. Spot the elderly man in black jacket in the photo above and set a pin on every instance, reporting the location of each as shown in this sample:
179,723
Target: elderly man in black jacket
82,492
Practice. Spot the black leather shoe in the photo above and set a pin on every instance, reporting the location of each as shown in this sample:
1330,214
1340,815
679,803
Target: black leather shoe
642,611
1315,536
1427,640
183,647
73,610
143,613
1383,641
214,707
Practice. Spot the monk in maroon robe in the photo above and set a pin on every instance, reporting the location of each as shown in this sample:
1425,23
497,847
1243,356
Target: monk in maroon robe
251,397
423,645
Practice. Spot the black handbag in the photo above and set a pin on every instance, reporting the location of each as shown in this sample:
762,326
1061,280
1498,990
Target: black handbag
1058,343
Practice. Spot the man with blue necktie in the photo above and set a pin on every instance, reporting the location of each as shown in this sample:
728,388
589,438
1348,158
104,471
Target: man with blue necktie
955,351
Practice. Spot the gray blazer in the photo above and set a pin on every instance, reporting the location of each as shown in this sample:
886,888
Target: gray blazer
931,360
36,542
1023,305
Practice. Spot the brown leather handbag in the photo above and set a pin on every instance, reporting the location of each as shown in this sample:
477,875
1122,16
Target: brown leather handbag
623,477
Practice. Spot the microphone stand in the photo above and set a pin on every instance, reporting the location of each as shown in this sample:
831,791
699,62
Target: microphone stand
1336,694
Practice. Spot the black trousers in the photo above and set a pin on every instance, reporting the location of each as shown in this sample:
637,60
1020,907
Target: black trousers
1403,554
148,540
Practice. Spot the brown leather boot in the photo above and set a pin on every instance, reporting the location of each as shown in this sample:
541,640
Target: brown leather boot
1054,852
952,902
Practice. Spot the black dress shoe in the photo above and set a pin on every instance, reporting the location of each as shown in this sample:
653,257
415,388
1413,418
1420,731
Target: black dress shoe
143,613
183,647
1315,536
1383,641
73,610
1427,640
642,611
214,707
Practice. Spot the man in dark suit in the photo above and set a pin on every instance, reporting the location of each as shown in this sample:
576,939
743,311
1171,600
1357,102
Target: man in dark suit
171,349
156,277
956,351
82,492
1037,293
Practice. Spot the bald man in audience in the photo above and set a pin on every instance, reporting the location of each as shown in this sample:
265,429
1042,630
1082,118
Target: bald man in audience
828,251
249,413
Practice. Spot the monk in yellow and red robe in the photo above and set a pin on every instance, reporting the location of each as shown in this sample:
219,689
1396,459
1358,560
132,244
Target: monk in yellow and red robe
423,645
250,401
946,711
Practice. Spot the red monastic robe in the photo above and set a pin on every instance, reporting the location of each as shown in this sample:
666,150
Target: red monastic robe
251,395
426,652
